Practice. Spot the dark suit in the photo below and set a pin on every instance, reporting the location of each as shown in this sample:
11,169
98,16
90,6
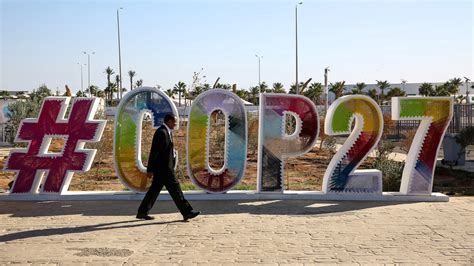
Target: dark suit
161,163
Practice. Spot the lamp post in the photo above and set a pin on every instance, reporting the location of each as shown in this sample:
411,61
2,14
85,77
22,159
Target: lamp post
82,83
259,57
89,70
296,44
467,90
404,82
326,92
119,55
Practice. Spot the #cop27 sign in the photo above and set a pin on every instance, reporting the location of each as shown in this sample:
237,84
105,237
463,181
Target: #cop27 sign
35,165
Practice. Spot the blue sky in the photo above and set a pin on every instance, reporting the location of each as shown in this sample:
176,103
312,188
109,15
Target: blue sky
166,41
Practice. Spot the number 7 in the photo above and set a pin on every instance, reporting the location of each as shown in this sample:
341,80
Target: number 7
434,114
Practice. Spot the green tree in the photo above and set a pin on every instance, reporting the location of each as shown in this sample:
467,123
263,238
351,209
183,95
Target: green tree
337,88
131,74
80,94
243,94
93,89
278,88
19,110
180,88
254,91
263,87
426,89
4,93
455,82
383,85
170,93
358,88
372,93
138,83
452,85
39,94
445,89
224,86
293,88
396,92
109,90
314,92
100,93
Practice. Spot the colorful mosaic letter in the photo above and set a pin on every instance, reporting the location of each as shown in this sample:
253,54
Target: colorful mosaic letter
32,163
128,131
235,157
434,114
274,145
341,174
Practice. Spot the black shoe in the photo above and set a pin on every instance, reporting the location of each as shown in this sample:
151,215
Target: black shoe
191,215
145,217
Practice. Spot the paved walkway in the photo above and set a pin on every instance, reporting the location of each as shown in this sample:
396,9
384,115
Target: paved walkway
271,232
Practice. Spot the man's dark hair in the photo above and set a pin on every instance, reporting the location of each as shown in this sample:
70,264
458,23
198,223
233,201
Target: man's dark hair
169,117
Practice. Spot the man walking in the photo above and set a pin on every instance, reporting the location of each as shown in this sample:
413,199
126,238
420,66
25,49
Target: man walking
161,163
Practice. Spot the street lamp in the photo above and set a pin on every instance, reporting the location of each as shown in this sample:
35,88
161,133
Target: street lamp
326,92
259,57
404,82
296,44
82,83
467,90
120,58
89,69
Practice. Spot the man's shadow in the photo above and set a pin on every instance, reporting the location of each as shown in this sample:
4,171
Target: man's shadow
79,229
128,208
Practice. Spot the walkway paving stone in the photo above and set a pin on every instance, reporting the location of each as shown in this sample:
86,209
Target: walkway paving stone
239,232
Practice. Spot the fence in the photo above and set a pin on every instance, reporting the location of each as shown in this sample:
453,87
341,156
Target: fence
462,118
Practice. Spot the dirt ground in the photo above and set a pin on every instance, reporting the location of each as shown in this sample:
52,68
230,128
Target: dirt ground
301,173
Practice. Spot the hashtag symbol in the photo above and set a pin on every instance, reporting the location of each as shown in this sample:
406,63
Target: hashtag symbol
32,163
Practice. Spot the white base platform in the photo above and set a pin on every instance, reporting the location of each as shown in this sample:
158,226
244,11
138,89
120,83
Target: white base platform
230,195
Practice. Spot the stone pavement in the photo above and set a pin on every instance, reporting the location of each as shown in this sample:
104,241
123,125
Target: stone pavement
239,232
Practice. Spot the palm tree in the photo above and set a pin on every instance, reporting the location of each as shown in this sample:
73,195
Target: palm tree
358,88
426,89
446,89
456,82
138,83
224,86
382,86
396,92
314,92
337,88
93,89
131,74
108,90
206,86
263,87
278,88
170,93
180,88
100,93
293,88
372,93
254,91
197,90
4,93
243,94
